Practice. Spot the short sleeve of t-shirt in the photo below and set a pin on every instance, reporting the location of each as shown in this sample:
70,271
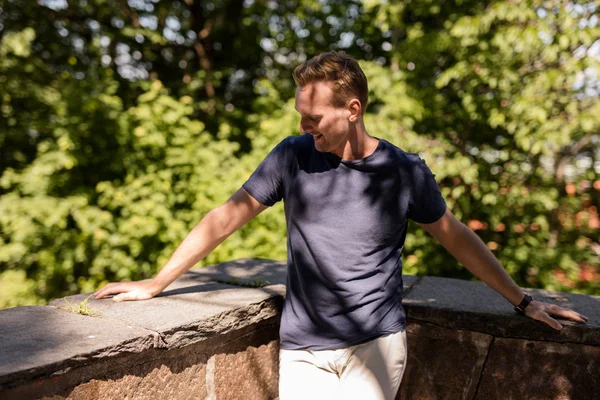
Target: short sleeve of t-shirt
266,184
426,204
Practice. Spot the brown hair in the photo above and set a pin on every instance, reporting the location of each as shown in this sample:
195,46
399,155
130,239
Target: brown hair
348,80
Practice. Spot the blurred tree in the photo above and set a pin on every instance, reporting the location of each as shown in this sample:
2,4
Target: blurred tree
123,122
510,101
100,108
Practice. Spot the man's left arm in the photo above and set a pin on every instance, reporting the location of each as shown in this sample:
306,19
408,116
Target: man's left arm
470,251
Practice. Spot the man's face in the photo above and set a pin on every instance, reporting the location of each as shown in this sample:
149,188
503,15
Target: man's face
328,125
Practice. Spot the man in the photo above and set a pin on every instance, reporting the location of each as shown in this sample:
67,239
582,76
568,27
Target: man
348,197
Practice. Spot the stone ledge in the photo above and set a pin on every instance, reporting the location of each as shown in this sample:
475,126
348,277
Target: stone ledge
198,301
47,345
43,341
474,306
46,341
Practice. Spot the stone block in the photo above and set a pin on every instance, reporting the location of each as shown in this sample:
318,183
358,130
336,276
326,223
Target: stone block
442,363
149,374
251,374
161,382
246,366
521,369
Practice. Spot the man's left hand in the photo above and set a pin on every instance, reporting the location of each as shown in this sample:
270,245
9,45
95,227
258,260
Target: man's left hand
544,312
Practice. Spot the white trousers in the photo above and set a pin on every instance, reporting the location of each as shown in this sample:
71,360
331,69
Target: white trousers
368,371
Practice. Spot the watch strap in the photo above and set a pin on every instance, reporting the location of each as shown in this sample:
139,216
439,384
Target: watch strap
524,303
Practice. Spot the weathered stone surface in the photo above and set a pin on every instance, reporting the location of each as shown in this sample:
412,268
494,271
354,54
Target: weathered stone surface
521,369
409,281
474,306
173,374
159,383
245,270
41,340
251,374
442,363
246,366
192,308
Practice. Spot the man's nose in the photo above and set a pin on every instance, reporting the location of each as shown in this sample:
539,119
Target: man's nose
305,126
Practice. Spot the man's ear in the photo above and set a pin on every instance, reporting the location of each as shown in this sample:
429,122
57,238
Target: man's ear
355,109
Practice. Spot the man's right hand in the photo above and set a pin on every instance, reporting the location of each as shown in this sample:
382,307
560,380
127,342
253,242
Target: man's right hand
138,290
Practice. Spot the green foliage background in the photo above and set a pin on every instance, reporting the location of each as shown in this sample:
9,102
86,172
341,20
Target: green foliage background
123,122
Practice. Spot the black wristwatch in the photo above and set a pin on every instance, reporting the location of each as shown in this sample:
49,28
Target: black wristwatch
524,303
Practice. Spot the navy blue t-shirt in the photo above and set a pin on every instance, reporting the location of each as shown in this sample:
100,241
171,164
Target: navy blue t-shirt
346,223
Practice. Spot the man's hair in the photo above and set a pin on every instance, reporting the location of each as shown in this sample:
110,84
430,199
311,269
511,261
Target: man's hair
347,78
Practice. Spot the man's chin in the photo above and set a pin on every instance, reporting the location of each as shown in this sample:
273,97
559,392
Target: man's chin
318,143
320,148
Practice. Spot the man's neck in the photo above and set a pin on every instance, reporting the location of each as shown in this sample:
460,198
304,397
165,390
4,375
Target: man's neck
359,145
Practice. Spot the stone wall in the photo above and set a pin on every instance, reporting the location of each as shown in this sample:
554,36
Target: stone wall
212,335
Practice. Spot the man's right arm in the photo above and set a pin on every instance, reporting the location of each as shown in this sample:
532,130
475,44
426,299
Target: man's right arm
211,231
